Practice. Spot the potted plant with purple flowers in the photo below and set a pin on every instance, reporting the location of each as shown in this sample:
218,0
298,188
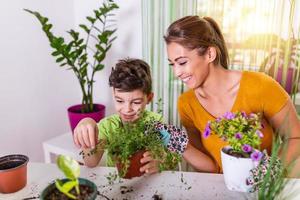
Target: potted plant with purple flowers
242,132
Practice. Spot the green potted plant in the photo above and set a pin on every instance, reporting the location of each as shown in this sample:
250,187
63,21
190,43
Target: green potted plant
132,140
71,187
241,131
83,58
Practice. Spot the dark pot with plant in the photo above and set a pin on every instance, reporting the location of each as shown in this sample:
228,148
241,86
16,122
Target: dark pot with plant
82,58
132,140
13,173
71,187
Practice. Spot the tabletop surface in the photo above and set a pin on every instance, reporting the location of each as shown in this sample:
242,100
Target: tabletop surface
167,185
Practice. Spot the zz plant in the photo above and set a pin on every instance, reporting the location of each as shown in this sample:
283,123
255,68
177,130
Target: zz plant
78,54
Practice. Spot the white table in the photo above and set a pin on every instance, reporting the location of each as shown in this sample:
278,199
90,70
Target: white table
63,144
170,185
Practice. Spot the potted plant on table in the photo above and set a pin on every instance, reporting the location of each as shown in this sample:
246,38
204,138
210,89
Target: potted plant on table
84,59
242,133
72,187
132,140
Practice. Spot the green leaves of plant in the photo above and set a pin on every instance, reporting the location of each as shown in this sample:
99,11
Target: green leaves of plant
75,53
66,187
68,166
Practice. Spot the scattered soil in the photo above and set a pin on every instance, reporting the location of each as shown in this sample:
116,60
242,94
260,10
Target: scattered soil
157,197
31,198
102,195
85,192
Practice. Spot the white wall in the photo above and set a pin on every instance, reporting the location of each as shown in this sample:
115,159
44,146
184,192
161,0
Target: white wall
34,91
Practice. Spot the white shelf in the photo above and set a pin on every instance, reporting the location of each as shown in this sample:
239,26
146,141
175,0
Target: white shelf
63,144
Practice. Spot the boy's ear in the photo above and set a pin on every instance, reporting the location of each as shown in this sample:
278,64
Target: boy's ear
211,54
150,97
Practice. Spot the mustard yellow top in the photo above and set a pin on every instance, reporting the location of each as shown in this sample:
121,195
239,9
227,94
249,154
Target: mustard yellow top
258,93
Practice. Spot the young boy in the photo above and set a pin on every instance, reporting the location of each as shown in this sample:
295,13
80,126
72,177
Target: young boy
132,90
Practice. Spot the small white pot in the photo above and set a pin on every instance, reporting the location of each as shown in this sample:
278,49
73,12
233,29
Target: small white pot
236,171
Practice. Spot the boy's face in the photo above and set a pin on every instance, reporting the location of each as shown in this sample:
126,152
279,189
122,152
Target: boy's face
130,105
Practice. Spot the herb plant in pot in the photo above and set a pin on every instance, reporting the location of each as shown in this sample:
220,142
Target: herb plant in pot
71,187
84,56
242,133
132,140
13,173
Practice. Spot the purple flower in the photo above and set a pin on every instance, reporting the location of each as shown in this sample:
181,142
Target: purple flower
256,155
247,148
207,130
238,135
218,119
229,115
243,114
260,135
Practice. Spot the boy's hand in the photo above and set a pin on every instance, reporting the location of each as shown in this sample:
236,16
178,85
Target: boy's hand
86,134
151,165
174,138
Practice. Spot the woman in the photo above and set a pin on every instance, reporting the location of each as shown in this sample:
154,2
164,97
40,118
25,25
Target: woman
198,55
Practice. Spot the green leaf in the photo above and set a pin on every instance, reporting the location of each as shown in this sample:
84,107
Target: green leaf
68,166
59,186
99,47
85,28
99,67
63,64
90,19
60,59
74,34
69,185
55,53
103,38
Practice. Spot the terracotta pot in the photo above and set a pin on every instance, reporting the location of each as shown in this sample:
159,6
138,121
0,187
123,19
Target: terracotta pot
134,166
75,114
82,181
13,173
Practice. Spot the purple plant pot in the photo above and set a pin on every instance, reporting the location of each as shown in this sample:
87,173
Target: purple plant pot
75,115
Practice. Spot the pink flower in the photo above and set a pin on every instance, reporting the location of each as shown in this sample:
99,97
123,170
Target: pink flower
256,155
238,135
243,114
207,130
259,133
229,115
247,148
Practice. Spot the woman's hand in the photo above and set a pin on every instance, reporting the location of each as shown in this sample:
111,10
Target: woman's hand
86,134
151,165
174,138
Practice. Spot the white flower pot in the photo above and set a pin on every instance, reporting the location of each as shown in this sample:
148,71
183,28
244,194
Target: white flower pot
236,171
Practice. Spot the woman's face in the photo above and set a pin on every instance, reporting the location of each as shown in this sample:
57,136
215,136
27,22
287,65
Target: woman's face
130,105
187,65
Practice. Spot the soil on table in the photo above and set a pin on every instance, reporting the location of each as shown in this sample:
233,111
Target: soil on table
55,194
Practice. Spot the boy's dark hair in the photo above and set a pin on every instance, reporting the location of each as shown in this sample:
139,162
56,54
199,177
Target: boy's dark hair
130,74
